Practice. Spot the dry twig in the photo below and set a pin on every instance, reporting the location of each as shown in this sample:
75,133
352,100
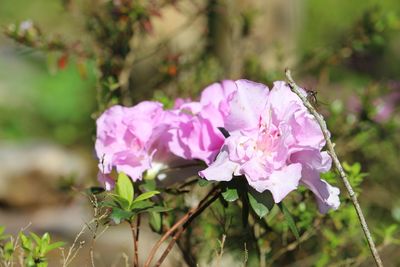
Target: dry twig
296,89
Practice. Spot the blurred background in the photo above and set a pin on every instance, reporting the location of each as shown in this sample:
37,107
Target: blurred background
64,62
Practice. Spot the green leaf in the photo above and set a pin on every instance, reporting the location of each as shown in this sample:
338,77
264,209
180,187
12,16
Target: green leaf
108,204
54,246
230,195
45,241
46,238
145,196
2,235
203,182
149,185
121,202
158,209
25,242
8,249
155,220
145,204
264,198
289,220
118,215
37,239
124,188
258,207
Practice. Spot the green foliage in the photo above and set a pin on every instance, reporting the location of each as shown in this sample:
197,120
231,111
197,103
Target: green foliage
289,219
124,191
32,248
355,175
230,194
261,203
125,206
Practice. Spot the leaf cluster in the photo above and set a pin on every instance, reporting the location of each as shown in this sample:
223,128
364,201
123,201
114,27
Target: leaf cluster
125,206
32,248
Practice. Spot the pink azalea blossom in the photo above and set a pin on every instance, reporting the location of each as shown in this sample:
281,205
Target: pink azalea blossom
127,139
386,106
274,142
195,130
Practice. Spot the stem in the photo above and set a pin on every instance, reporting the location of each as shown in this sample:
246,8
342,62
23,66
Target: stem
296,89
182,221
184,247
200,208
135,237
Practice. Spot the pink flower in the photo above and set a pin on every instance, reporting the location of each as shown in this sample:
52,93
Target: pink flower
127,139
275,143
386,106
195,130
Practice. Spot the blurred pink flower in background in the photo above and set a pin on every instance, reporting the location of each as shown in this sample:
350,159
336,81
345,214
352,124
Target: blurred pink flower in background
354,104
275,143
385,106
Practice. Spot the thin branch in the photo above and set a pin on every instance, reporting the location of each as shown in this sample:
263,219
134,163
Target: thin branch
200,208
296,89
137,239
182,221
135,244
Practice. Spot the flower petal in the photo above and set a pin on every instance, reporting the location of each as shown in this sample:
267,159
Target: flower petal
246,106
221,169
327,196
280,183
106,180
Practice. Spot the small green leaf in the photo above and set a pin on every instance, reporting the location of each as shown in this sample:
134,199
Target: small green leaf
118,215
155,220
108,204
2,235
289,220
230,194
2,229
158,209
124,188
45,241
258,207
25,242
120,202
145,196
264,198
37,239
203,182
145,204
149,185
8,249
46,238
54,246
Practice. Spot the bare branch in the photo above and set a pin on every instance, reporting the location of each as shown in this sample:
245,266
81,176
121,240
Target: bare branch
296,89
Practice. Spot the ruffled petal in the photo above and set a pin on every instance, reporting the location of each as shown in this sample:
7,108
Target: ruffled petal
327,196
279,183
106,180
246,106
221,169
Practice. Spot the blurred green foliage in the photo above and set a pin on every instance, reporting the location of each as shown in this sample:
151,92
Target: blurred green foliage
30,248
